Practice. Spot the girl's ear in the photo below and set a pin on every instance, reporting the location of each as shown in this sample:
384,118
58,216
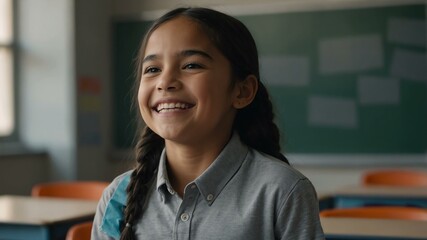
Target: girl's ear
245,92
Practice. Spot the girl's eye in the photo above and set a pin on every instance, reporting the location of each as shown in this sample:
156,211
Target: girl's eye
192,66
151,70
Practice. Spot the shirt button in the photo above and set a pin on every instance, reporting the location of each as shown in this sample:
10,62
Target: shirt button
185,217
210,197
193,186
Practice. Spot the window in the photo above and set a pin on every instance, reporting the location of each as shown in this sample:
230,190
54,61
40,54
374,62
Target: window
7,89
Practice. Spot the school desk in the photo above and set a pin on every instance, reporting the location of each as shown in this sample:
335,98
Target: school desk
25,217
359,196
373,229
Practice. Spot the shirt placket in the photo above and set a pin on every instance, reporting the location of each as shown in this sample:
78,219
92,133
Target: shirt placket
185,213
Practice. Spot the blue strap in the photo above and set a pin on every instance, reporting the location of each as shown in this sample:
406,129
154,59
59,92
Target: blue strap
113,216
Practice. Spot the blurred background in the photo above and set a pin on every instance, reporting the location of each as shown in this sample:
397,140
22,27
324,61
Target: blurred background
347,77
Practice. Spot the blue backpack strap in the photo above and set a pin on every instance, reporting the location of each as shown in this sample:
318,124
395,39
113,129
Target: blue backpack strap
113,215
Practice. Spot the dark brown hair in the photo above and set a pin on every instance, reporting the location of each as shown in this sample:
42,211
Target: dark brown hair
254,123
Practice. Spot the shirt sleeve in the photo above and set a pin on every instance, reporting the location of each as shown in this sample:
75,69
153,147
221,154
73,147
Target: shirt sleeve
97,234
298,217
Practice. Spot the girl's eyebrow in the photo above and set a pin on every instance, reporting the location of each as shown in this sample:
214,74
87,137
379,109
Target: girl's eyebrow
185,53
150,58
192,52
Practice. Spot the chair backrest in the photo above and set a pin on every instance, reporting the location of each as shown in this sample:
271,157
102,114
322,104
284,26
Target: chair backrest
81,231
89,190
384,212
403,178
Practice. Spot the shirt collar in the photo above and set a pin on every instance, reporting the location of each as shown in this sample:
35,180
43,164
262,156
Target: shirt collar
215,177
163,183
219,173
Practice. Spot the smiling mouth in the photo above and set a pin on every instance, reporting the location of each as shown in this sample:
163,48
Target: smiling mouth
169,107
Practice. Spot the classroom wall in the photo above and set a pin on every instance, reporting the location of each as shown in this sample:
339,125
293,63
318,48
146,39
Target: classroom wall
46,75
64,45
45,31
59,41
93,80
142,8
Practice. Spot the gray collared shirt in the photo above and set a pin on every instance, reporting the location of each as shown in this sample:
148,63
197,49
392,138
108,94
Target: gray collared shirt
244,194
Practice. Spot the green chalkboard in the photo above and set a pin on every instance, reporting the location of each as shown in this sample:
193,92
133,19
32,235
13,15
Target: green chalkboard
381,128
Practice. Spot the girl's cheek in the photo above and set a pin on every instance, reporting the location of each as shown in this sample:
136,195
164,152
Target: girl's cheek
142,97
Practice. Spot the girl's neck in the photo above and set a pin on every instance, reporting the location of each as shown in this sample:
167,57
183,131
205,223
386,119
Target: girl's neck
185,163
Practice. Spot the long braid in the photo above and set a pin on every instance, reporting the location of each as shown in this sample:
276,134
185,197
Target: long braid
256,127
148,151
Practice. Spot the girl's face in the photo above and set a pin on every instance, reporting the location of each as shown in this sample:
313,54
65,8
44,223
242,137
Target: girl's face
186,93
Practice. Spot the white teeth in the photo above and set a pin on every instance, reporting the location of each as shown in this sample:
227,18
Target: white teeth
171,106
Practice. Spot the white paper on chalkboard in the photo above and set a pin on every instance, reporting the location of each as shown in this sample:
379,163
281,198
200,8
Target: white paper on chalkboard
409,65
350,54
285,70
332,112
374,90
407,31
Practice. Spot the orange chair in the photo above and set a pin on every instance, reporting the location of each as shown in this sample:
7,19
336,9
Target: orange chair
81,231
90,190
402,178
384,212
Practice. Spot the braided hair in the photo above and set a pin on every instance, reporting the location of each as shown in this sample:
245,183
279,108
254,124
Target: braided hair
254,123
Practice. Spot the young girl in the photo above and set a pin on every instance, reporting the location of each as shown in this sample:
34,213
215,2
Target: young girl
209,164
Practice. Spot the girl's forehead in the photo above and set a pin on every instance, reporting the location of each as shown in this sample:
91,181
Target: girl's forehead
180,24
179,32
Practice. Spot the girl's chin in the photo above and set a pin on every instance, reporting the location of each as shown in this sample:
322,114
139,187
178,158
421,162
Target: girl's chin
171,135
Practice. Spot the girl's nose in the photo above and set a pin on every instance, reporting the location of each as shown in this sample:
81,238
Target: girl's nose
168,82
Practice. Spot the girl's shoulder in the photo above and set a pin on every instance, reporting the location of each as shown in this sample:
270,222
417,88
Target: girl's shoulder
267,168
113,202
117,184
275,179
119,179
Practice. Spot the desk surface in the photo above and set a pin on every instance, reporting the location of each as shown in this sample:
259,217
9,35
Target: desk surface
384,191
374,227
42,211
